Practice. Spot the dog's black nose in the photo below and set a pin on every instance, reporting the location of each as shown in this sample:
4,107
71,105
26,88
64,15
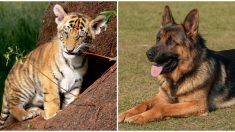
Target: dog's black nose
150,54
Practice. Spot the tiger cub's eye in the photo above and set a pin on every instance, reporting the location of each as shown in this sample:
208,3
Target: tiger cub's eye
66,33
82,33
66,30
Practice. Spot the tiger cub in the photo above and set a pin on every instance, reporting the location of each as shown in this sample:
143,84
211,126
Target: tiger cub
53,69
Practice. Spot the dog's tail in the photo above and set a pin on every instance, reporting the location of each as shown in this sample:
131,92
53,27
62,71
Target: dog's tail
5,112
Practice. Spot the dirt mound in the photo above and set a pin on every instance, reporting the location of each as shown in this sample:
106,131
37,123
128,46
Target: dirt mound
95,108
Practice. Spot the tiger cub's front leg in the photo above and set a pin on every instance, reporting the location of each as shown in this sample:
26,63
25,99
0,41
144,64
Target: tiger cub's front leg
70,97
51,99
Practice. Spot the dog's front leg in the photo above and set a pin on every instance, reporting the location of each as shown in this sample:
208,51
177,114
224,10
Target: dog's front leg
169,110
160,98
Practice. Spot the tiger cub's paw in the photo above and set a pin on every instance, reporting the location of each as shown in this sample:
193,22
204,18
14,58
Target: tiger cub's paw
30,114
48,116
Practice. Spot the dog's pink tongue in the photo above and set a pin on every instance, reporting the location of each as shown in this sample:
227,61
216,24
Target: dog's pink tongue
156,70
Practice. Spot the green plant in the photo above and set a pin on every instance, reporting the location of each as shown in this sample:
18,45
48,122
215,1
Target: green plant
28,126
13,53
108,15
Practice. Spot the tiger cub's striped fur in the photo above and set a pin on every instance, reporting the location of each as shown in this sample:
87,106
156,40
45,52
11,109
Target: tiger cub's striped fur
53,69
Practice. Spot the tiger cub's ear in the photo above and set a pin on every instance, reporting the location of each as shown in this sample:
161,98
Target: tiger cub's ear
97,23
59,12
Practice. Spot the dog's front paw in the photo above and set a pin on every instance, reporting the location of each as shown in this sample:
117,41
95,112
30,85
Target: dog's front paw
123,116
137,119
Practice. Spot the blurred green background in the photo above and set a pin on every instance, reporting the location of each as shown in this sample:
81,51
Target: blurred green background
19,28
138,25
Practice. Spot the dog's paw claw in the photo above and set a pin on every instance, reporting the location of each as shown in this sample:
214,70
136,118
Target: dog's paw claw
137,119
123,116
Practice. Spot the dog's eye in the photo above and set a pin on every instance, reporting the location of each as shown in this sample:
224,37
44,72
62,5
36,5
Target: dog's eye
169,41
158,38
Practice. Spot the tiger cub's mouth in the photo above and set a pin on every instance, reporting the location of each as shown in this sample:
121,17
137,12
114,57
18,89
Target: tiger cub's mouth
79,49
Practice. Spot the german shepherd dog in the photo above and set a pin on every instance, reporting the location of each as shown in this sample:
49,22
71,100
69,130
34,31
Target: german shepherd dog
193,80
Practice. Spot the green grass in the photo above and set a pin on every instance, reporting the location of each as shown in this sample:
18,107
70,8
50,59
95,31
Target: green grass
19,26
138,25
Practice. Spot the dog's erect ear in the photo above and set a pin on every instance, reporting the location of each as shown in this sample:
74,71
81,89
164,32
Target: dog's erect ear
167,17
191,22
59,13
